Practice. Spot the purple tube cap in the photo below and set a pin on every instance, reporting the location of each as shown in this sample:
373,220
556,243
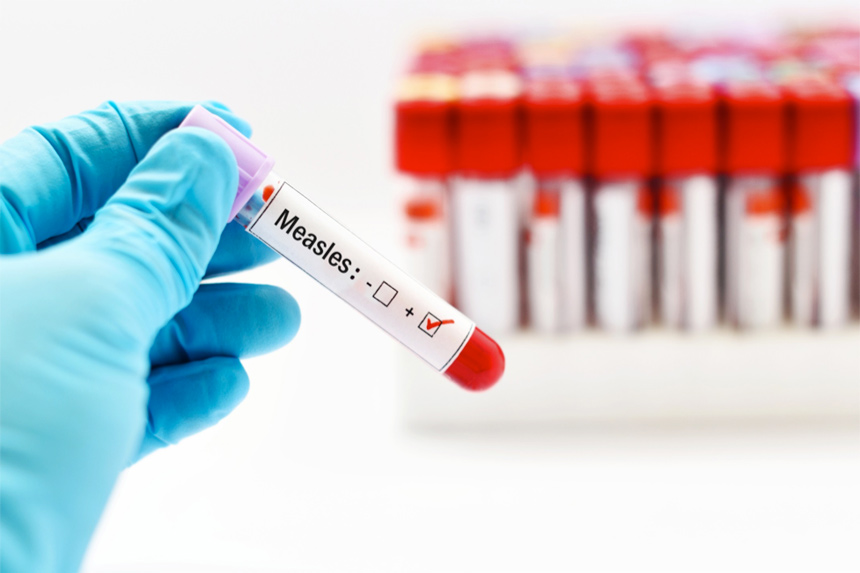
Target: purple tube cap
254,164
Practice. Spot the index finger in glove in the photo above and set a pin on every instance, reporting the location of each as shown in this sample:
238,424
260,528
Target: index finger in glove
54,175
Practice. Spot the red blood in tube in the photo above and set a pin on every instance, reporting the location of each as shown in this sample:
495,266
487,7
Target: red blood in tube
645,202
267,192
479,365
766,203
422,209
669,200
801,202
546,204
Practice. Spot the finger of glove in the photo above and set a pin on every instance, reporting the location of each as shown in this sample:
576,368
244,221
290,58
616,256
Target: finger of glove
148,247
54,175
185,399
238,250
228,319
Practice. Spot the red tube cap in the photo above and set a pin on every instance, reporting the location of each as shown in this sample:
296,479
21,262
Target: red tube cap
820,125
479,365
488,136
755,128
687,129
424,124
621,130
553,126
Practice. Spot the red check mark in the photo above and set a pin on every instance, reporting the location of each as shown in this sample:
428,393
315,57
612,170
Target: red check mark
431,325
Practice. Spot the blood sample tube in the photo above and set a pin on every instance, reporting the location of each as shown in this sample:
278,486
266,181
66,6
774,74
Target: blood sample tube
543,255
852,84
557,252
621,204
820,159
688,223
754,211
424,138
290,224
485,199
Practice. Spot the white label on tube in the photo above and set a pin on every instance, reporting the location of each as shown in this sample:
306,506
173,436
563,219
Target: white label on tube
300,231
670,269
735,198
755,251
642,265
427,236
427,242
543,262
761,271
614,255
803,270
572,274
700,238
486,246
833,207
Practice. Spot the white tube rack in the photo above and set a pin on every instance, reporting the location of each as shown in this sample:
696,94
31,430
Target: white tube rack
654,376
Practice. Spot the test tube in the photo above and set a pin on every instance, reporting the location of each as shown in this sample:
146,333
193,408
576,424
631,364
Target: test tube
688,201
755,203
621,204
485,199
291,225
820,158
424,115
851,82
557,287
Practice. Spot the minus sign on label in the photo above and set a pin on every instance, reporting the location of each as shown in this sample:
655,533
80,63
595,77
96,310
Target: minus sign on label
368,284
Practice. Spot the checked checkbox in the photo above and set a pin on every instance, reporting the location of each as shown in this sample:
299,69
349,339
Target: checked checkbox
431,324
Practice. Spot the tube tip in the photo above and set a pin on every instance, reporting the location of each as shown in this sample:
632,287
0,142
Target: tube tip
479,365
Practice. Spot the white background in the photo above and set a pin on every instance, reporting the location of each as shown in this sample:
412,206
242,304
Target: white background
315,470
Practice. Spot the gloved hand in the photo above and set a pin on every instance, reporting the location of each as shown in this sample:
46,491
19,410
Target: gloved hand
108,349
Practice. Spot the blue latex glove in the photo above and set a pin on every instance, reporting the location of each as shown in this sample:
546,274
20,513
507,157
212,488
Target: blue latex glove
108,349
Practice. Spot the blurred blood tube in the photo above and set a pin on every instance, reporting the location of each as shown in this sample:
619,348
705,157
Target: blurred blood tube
485,199
754,211
424,116
852,84
688,200
820,158
621,204
556,253
543,248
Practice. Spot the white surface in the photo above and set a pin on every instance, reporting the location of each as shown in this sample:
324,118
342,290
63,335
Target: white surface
655,376
313,472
